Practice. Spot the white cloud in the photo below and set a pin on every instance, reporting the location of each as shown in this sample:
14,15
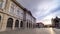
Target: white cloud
47,19
41,8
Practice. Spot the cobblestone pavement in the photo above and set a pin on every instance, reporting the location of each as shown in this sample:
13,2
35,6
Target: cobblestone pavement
34,31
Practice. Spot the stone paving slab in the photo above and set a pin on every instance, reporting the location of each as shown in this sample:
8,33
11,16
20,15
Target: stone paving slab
24,31
57,31
34,31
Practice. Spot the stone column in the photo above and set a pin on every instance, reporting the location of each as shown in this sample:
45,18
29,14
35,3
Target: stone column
32,25
19,23
13,24
4,22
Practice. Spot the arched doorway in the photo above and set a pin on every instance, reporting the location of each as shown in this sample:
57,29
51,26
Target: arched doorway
31,25
10,23
17,23
27,24
0,18
0,21
21,24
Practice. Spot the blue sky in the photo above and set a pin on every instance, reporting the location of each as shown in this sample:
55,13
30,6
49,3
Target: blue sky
43,10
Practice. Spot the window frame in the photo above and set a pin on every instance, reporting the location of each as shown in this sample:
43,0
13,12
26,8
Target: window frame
3,2
11,7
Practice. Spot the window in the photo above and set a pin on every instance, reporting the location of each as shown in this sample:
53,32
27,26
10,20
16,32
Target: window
1,3
12,8
18,12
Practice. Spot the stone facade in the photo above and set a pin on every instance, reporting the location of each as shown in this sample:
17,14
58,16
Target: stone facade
13,16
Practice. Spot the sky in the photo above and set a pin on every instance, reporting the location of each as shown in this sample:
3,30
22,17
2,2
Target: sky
43,10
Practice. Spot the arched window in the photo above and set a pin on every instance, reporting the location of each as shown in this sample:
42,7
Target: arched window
17,23
21,24
10,23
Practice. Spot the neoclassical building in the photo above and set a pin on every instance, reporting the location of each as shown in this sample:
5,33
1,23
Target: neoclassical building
13,16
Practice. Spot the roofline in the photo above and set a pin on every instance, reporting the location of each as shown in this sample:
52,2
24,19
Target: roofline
18,4
31,14
23,8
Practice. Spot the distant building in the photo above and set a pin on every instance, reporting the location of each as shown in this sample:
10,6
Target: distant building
47,26
39,25
56,22
13,16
